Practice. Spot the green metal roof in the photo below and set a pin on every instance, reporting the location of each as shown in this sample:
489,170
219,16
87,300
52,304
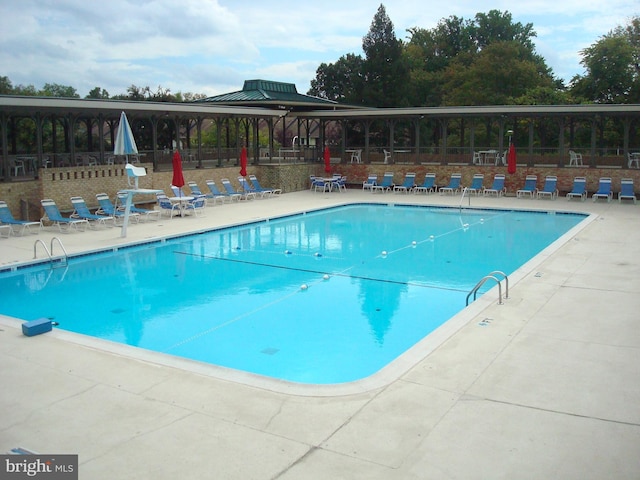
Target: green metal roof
269,93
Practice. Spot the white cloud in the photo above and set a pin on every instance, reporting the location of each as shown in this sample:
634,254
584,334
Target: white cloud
211,46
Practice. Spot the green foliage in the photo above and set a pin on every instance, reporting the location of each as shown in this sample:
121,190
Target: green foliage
56,90
385,70
499,73
6,88
341,81
98,92
612,67
487,60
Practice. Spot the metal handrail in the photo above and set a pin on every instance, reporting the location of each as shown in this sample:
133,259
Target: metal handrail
66,255
491,276
35,245
49,251
506,282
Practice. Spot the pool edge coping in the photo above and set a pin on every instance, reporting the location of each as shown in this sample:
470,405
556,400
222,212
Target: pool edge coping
394,370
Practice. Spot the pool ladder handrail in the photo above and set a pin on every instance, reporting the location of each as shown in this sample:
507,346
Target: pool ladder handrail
49,251
492,276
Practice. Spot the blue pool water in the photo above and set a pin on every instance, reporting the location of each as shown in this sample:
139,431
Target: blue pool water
325,297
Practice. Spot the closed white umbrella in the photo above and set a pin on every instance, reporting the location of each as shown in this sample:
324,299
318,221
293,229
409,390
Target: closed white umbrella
125,143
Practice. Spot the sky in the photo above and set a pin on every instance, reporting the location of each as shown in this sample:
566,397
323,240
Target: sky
211,46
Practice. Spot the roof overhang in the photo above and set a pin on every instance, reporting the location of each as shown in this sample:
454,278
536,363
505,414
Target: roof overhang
91,107
484,111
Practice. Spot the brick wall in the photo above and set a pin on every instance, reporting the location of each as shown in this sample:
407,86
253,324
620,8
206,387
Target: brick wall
357,173
60,184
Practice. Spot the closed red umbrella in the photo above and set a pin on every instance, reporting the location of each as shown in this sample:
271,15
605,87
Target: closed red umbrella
178,178
511,159
327,160
243,162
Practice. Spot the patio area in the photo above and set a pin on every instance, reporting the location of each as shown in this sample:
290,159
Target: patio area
544,386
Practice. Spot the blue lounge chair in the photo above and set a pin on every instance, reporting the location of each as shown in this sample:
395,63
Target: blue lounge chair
217,194
408,184
579,189
476,184
626,190
145,213
370,182
530,187
429,184
232,191
497,188
107,208
454,184
249,188
6,218
550,187
604,190
386,184
82,211
52,213
178,192
196,192
269,191
210,199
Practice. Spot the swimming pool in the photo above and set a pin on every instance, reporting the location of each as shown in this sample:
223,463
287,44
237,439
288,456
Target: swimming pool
326,297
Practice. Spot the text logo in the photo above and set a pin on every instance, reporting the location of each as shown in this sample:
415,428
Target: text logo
50,467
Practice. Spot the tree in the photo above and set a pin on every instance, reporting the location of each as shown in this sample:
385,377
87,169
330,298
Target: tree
28,90
6,88
56,90
439,46
497,26
484,61
99,93
612,67
385,71
341,81
497,76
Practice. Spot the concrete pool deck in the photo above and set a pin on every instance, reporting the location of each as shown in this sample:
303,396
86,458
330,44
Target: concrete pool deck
544,386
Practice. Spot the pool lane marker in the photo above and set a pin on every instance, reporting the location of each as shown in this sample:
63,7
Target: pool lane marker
318,272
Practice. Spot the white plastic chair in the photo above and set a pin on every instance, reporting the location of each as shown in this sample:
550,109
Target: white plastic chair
575,158
387,156
17,166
